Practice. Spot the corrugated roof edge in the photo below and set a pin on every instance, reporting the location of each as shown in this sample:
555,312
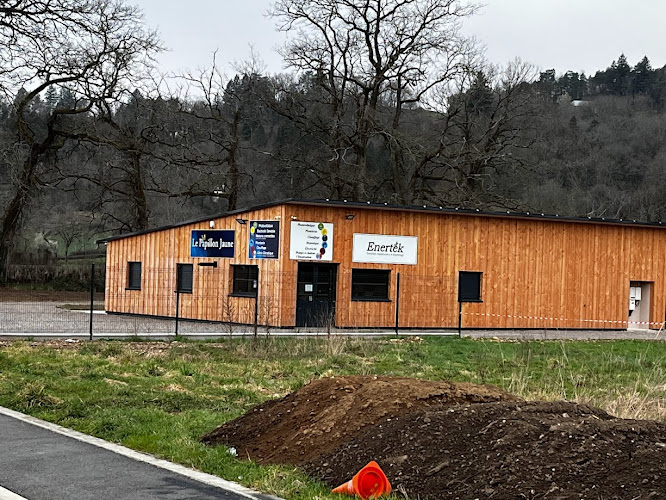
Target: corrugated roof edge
388,206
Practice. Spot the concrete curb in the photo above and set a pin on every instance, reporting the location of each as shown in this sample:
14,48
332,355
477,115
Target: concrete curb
8,495
206,335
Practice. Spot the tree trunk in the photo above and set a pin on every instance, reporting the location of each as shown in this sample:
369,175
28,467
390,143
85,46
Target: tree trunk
138,194
337,184
361,149
233,174
11,218
397,167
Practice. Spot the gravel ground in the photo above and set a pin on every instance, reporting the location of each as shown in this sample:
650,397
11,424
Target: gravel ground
567,334
51,319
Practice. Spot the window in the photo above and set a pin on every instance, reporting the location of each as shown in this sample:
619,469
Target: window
469,286
370,284
134,276
245,281
184,278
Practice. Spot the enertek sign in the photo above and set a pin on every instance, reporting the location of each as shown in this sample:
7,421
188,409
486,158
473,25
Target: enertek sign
385,249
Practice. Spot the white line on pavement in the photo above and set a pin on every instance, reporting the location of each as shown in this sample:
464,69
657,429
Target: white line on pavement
8,495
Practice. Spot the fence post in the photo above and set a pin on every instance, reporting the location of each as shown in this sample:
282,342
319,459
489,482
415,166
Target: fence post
92,297
460,318
397,304
256,305
177,309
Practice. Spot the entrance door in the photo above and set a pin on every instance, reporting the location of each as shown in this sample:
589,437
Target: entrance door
315,298
639,304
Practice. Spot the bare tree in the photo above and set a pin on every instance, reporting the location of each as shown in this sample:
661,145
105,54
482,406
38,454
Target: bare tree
130,147
67,226
364,53
460,151
493,121
218,112
152,149
227,117
94,49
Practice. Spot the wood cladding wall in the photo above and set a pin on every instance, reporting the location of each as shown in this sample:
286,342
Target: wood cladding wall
535,273
159,253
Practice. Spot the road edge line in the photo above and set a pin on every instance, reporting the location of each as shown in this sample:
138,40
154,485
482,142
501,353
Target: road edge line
6,494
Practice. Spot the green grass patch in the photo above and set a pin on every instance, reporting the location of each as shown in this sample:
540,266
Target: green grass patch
82,307
160,398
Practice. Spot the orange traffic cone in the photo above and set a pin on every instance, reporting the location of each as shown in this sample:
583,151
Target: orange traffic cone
369,482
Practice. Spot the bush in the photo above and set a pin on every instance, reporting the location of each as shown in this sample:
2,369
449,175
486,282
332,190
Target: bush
56,277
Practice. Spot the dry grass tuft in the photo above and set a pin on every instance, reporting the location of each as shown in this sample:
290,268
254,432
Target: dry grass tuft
112,381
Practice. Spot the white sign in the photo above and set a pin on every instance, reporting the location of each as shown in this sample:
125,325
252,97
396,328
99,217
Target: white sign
311,241
385,249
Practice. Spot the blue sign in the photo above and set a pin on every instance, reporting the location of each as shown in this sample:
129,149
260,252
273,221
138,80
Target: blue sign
264,241
212,243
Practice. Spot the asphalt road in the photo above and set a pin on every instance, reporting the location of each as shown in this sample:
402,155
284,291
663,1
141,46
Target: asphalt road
40,464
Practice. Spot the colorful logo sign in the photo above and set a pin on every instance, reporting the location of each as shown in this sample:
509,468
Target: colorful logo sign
311,241
264,240
212,243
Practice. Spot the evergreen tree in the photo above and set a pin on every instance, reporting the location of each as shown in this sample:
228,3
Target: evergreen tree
622,74
51,97
657,91
546,85
479,98
572,84
642,76
67,99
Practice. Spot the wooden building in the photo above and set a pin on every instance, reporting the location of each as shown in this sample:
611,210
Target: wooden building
313,263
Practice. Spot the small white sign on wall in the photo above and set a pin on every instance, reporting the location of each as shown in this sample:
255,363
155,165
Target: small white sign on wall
385,249
311,241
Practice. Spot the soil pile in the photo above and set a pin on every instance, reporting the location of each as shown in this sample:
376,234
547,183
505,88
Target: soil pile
437,440
509,450
327,413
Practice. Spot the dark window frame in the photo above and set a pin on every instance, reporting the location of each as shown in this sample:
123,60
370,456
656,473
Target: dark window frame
362,278
132,276
179,278
468,283
242,280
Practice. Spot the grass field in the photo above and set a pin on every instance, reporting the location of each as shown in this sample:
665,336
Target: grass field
160,398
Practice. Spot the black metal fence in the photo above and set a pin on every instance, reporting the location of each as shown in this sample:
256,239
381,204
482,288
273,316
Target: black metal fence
57,313
33,302
47,300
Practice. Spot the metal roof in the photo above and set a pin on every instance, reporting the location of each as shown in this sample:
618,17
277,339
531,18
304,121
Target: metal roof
401,208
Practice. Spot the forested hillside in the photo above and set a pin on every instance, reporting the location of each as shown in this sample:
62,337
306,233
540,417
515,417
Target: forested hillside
97,146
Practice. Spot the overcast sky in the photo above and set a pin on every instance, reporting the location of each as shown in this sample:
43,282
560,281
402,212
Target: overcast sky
578,35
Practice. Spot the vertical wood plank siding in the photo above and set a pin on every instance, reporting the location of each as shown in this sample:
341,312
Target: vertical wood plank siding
536,273
161,251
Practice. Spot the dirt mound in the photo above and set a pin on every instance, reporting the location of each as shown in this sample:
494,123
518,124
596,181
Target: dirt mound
438,440
509,450
327,413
